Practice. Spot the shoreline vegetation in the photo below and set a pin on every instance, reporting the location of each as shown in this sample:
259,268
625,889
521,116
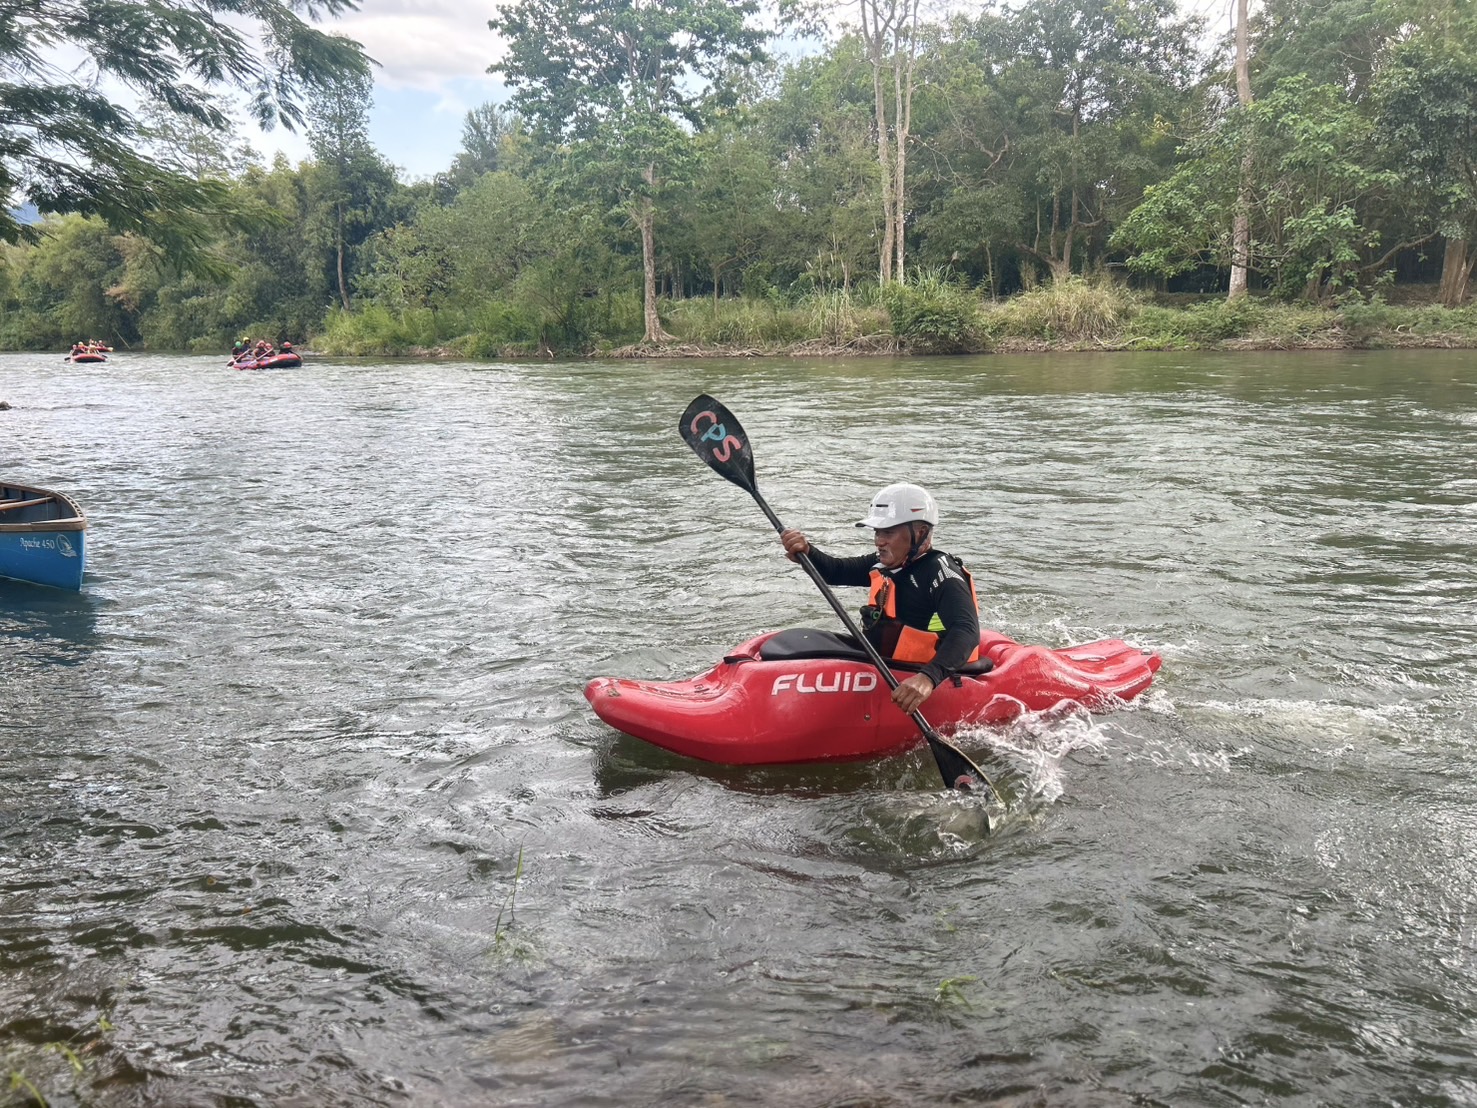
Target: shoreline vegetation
933,317
1052,175
682,180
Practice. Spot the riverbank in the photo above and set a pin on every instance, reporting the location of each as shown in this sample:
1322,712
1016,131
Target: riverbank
1328,338
1075,316
933,317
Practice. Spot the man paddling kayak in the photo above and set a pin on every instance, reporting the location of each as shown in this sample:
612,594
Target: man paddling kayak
922,606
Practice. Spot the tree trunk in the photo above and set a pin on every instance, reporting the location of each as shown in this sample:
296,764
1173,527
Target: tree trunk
899,168
1241,222
884,25
343,288
1059,239
884,161
1066,269
902,92
1456,273
654,332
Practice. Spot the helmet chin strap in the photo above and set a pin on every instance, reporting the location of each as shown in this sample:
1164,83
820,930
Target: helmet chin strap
913,546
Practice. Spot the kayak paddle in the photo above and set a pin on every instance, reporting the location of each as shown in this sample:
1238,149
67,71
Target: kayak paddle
715,435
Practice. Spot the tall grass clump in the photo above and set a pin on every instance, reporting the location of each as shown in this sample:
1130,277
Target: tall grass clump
377,330
842,317
1196,325
497,328
1220,319
1457,326
753,323
932,315
1159,328
1296,325
1364,321
1074,310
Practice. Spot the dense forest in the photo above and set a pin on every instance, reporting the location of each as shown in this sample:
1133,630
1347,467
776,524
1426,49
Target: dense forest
662,177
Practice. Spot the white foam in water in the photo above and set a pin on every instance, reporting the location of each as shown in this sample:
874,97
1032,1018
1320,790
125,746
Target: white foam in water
1035,745
1327,717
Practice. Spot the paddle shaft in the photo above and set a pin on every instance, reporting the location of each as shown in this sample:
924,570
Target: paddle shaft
840,610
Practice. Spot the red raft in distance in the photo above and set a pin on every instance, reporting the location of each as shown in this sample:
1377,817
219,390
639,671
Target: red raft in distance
803,695
289,360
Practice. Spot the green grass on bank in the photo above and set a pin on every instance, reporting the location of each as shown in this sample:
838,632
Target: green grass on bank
927,316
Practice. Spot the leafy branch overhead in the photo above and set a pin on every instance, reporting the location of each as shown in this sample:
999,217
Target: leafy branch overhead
68,146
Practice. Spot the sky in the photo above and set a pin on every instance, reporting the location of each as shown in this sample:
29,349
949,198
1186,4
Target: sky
433,57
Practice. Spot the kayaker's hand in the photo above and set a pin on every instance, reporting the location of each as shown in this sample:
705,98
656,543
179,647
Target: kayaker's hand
795,543
910,694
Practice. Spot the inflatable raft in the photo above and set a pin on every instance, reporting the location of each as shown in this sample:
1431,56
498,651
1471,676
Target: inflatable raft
289,360
806,696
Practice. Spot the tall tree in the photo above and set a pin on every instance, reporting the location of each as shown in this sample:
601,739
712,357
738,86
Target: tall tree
817,135
728,215
1090,76
186,145
483,132
353,181
67,146
891,31
67,278
1331,42
1241,221
1426,115
971,207
888,31
1315,188
623,80
488,132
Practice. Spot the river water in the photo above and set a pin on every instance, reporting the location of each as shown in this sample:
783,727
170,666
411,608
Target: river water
301,804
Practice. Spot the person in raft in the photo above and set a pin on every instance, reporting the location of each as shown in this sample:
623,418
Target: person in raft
922,607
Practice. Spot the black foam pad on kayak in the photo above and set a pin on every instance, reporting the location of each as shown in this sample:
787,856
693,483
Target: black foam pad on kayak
800,643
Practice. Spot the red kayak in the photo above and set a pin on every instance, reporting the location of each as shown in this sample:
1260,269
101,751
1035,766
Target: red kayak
806,696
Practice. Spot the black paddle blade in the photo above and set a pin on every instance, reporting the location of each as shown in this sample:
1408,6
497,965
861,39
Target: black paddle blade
955,767
716,436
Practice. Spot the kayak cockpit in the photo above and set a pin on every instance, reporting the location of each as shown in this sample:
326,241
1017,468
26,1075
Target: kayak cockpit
798,644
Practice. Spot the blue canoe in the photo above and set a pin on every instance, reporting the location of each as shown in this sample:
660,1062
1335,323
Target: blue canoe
41,537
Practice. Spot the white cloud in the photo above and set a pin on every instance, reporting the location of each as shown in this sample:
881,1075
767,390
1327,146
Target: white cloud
423,44
433,57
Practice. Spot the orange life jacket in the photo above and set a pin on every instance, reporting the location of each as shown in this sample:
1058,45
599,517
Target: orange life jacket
911,644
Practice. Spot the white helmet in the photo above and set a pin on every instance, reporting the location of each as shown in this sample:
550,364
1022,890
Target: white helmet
901,503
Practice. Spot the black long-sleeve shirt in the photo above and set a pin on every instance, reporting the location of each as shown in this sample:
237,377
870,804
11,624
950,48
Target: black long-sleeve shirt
932,584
